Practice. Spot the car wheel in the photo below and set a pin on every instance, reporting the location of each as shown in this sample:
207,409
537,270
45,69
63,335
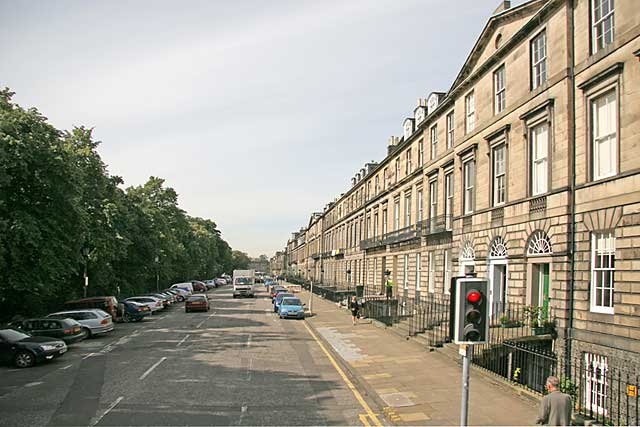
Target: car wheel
87,332
24,359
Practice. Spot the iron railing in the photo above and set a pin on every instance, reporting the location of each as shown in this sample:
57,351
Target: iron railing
436,225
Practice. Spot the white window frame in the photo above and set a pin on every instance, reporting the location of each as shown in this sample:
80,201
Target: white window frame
420,152
408,166
470,112
603,249
539,164
397,169
451,125
499,90
385,218
406,272
468,172
396,215
609,137
407,210
432,272
449,195
539,60
596,383
434,142
418,271
433,200
420,206
599,24
499,172
448,268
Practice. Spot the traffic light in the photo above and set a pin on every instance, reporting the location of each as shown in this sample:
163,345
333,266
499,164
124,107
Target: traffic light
471,311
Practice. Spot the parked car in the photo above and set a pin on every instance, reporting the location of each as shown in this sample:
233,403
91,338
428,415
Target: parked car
291,307
197,302
278,299
180,293
275,290
185,285
166,301
221,281
131,311
154,304
24,350
94,321
67,330
108,304
198,286
211,284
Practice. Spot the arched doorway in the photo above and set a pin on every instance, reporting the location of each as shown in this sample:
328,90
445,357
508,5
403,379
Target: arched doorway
539,252
498,265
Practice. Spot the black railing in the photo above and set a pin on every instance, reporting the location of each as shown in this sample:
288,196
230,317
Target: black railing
401,235
436,225
372,242
430,316
383,309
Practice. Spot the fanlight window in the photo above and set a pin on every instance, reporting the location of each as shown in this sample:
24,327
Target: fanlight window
539,244
498,248
467,252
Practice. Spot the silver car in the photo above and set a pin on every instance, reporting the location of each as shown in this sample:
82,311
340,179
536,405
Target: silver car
93,320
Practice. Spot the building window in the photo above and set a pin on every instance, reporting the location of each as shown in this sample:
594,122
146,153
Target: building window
499,90
602,24
375,224
604,127
397,170
385,177
499,174
470,112
450,130
469,184
596,385
408,165
433,201
448,266
434,142
432,273
396,215
418,271
407,210
538,60
603,258
405,277
539,149
420,153
377,186
384,221
448,202
420,206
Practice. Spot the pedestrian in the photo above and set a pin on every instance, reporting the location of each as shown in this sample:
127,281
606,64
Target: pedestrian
555,408
389,287
355,309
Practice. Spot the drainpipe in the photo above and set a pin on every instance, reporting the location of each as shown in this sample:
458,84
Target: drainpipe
572,202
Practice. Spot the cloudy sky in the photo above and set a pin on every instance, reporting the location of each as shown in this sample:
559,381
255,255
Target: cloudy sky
257,112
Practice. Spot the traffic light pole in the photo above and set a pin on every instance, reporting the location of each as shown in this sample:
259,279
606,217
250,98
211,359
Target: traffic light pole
466,352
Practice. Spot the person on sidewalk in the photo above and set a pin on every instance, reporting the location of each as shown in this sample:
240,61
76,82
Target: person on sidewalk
389,287
355,309
555,408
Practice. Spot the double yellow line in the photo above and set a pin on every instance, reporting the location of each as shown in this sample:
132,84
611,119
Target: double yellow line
356,393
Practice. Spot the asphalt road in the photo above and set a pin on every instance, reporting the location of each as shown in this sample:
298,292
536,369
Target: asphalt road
238,364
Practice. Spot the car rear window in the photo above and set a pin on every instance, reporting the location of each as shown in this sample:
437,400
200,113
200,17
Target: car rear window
196,299
291,301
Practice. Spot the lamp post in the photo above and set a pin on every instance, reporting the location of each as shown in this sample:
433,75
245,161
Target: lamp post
348,280
311,298
157,261
85,277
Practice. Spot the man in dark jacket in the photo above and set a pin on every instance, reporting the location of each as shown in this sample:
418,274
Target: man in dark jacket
555,408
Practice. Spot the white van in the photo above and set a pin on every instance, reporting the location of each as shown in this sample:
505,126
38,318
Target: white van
186,286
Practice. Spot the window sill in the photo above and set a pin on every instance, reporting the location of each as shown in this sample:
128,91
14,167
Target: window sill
602,310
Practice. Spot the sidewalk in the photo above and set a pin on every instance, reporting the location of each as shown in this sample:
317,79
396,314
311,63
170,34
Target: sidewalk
415,386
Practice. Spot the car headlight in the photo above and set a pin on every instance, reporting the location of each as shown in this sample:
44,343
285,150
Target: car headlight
47,347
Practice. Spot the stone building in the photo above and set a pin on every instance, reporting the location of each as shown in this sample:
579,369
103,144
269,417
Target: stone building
527,168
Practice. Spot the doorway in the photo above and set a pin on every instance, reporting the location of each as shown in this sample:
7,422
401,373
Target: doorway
497,286
540,285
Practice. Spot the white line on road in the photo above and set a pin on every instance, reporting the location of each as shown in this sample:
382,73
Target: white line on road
155,365
200,324
183,340
88,356
66,367
109,409
249,341
33,384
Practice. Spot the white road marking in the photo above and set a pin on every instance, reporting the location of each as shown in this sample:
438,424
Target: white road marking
244,408
109,409
88,356
249,340
33,384
66,367
183,340
200,324
148,371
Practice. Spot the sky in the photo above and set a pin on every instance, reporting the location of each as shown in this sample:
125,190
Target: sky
256,112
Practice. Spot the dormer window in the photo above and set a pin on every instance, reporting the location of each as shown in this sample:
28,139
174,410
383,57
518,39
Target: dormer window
420,114
408,128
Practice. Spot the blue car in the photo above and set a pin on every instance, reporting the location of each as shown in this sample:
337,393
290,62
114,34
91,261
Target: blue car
291,307
278,299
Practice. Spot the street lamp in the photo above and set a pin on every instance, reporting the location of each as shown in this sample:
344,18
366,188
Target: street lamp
86,251
348,279
311,298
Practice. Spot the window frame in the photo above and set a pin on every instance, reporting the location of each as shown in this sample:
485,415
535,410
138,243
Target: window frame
469,112
396,214
418,272
451,127
591,100
538,78
420,205
468,207
499,92
449,197
594,307
420,152
407,209
433,138
533,191
593,34
501,146
433,199
431,283
408,162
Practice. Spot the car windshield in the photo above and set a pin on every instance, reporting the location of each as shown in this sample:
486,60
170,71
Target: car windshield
243,281
291,301
191,299
13,335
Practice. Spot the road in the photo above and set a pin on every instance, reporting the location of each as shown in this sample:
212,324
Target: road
238,364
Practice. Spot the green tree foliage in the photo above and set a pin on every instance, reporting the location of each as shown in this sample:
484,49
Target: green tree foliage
61,212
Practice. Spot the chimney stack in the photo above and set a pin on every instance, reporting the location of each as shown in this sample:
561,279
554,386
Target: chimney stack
504,5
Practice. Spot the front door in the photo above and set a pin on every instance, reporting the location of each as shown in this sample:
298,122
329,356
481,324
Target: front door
498,286
540,286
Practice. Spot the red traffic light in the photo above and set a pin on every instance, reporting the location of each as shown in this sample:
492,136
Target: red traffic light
473,297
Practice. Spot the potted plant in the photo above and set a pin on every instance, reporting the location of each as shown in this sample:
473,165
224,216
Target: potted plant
538,320
508,322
